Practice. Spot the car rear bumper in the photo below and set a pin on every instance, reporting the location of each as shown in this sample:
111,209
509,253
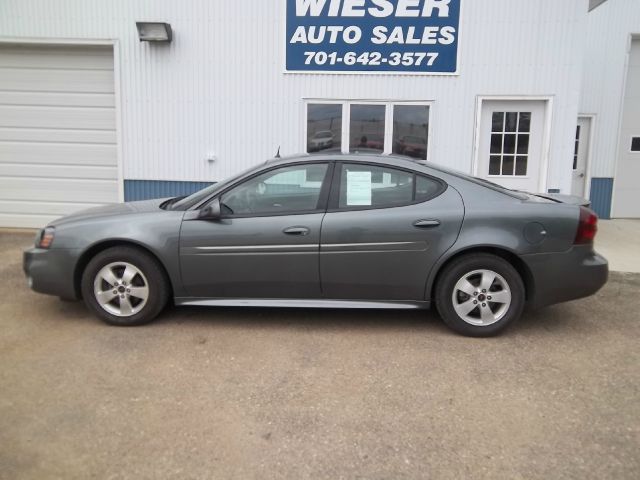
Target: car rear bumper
560,277
50,271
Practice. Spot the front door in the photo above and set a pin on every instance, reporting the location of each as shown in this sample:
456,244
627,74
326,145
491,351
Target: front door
266,245
383,232
510,148
580,156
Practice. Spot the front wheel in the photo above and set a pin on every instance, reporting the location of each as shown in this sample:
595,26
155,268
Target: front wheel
124,286
479,295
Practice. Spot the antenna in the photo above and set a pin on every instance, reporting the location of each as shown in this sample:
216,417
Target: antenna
278,152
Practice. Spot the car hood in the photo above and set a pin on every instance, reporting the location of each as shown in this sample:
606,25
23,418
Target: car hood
145,206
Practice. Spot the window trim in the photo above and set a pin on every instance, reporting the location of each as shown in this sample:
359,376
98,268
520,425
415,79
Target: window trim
346,120
333,205
321,206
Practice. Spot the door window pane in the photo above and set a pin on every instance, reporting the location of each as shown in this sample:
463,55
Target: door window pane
508,164
324,127
521,165
366,128
524,124
494,165
497,123
292,189
509,137
377,187
410,130
512,122
635,144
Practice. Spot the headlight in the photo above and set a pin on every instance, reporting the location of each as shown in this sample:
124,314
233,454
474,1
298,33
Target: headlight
45,239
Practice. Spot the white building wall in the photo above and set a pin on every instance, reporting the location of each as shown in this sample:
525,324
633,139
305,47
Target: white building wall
219,87
609,30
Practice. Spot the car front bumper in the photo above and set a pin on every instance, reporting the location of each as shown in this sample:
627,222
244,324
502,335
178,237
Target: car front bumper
50,271
560,277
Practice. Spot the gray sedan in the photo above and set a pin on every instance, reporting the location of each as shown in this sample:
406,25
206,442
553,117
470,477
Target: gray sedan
352,231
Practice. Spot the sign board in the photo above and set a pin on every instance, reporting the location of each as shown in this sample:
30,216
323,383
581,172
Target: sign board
376,36
359,188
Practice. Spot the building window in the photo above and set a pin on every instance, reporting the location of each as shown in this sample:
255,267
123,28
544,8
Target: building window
324,127
391,127
366,128
635,144
509,154
411,130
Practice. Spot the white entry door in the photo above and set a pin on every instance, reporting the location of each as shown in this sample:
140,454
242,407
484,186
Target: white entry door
580,157
511,136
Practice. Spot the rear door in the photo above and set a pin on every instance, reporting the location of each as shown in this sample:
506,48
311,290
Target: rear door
383,232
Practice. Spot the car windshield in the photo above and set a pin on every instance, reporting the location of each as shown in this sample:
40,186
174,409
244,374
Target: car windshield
200,195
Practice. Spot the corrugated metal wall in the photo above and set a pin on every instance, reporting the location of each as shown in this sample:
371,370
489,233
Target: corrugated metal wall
219,87
609,27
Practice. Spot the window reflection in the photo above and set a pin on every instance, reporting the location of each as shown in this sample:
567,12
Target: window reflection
367,128
324,127
410,130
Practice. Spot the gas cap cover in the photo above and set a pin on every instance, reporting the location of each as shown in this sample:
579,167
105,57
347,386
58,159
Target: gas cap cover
535,233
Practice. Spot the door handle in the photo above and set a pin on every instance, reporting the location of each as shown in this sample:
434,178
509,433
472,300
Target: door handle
302,231
426,223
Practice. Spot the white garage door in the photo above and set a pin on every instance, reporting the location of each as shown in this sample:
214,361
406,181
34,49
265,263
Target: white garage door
58,151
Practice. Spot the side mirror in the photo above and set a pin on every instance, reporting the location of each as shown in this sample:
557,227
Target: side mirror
212,211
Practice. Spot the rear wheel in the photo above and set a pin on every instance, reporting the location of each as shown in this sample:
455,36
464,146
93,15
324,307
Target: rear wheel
479,295
124,286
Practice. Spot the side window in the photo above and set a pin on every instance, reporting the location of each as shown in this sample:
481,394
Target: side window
293,189
426,188
363,186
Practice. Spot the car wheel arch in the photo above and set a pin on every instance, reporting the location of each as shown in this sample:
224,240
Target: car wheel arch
96,248
506,254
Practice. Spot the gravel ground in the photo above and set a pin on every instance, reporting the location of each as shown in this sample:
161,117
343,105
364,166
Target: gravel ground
274,393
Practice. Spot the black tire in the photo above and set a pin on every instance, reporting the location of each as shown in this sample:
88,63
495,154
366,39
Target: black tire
152,275
462,267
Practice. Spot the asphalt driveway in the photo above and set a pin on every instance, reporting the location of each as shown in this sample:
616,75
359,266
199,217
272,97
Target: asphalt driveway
259,393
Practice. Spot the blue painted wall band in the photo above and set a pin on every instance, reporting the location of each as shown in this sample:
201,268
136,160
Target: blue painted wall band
601,194
148,189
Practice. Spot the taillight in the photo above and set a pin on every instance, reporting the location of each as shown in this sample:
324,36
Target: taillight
587,227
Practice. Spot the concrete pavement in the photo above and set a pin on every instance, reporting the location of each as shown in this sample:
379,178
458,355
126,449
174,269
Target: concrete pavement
275,393
619,242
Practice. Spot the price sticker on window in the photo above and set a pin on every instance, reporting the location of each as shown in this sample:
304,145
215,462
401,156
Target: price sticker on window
359,188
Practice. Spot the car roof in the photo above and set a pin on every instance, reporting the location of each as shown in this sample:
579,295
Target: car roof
363,156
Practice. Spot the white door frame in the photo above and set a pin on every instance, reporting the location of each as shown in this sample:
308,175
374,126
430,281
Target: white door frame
546,135
115,44
587,173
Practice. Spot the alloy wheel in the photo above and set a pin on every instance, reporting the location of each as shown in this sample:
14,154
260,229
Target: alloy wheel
121,289
481,297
